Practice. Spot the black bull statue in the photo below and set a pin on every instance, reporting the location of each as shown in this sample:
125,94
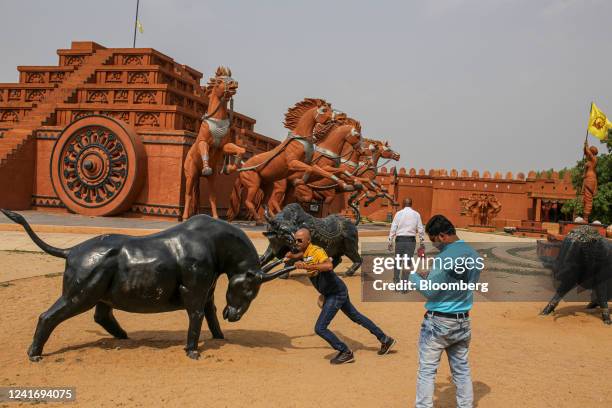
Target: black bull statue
585,260
171,270
337,235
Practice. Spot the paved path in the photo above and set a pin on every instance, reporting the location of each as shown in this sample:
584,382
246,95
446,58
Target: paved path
72,220
43,222
19,240
21,258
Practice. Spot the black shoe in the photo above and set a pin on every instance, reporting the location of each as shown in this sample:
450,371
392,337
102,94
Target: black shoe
343,357
386,345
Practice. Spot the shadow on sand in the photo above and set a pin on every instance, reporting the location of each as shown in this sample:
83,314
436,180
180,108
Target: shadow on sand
444,395
576,310
164,339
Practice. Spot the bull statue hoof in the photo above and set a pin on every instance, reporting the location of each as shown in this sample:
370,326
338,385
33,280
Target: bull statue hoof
34,359
547,310
207,171
193,354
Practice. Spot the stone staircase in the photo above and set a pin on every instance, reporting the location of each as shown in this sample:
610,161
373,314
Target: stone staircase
14,139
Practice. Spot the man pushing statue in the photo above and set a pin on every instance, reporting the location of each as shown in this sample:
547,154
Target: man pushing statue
321,273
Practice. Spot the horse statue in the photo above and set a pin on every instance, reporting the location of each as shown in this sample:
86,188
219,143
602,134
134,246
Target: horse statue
327,155
306,120
369,169
349,165
213,144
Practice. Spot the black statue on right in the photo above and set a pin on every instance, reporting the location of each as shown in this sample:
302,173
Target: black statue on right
585,260
337,235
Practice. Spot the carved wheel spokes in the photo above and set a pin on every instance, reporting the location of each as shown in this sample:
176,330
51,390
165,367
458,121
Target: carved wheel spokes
97,166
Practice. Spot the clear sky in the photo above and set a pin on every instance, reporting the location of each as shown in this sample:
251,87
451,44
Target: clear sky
477,84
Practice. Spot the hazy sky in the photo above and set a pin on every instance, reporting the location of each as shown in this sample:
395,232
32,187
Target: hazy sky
477,84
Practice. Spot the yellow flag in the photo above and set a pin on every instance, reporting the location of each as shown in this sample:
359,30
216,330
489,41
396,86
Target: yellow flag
140,27
599,125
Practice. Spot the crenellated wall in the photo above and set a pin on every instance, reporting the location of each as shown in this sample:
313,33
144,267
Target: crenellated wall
442,191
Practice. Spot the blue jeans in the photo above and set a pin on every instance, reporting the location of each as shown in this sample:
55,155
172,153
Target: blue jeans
439,334
341,301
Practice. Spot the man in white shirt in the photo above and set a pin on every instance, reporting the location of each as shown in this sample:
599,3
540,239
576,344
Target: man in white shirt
406,225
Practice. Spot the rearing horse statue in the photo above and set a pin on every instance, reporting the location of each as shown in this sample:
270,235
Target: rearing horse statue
345,136
305,120
213,144
373,190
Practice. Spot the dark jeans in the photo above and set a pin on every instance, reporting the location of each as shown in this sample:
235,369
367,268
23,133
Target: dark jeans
403,246
341,301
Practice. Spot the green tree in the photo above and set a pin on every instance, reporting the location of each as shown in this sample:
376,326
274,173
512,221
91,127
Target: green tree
602,202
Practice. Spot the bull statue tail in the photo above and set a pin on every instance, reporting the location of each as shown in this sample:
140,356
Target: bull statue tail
355,207
235,199
51,250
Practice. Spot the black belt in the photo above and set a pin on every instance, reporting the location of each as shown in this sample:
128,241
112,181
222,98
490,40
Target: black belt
449,315
405,238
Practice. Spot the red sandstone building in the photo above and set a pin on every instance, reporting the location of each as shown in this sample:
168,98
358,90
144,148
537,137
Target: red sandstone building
150,102
106,132
536,198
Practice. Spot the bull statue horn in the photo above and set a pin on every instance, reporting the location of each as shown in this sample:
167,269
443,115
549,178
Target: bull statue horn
266,277
271,266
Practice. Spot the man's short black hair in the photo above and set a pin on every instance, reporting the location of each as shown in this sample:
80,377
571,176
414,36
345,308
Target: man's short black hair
439,224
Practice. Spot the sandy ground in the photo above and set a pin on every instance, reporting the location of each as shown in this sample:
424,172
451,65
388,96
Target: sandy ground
272,357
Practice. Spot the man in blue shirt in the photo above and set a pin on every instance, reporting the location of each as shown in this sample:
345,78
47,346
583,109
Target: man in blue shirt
448,288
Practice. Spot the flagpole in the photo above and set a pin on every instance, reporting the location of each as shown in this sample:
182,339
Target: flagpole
586,139
135,24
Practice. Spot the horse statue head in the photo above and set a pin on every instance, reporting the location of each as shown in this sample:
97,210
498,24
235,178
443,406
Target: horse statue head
354,136
378,149
345,131
304,116
222,86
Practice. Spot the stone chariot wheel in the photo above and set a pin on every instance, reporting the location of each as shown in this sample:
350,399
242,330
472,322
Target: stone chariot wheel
98,166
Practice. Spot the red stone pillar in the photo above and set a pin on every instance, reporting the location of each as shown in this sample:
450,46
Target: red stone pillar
538,209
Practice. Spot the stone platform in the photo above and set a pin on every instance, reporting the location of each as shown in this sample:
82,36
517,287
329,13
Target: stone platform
481,228
79,224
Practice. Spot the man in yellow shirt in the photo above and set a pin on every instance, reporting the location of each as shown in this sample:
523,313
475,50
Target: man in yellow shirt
320,270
